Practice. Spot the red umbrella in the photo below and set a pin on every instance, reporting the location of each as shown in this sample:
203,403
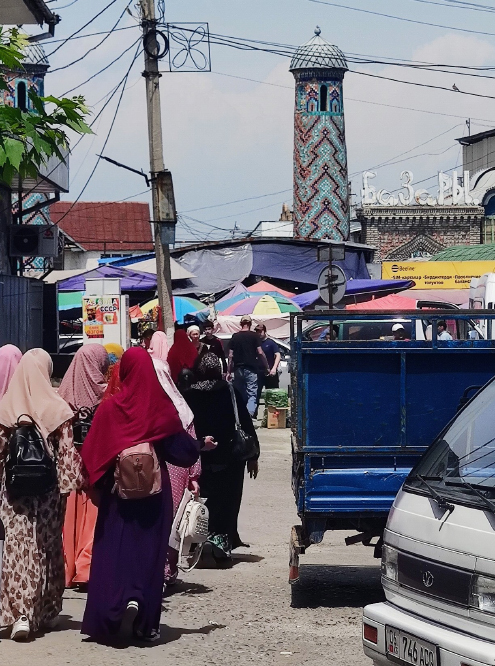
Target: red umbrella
390,302
267,287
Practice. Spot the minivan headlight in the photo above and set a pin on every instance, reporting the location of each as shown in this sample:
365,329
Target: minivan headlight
390,569
483,593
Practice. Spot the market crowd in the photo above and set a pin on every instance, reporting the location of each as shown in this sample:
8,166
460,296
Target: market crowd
70,526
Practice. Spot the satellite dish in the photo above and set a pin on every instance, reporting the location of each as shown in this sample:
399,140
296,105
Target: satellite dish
338,283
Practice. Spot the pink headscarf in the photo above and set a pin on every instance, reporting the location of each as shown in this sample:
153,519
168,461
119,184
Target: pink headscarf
10,356
31,393
84,383
159,346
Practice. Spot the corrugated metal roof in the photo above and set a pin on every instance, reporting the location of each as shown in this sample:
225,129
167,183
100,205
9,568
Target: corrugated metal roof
484,252
106,225
319,54
35,55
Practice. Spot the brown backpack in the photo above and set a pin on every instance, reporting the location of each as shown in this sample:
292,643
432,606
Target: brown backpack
137,472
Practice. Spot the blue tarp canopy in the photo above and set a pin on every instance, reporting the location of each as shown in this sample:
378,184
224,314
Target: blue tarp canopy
355,287
220,266
129,280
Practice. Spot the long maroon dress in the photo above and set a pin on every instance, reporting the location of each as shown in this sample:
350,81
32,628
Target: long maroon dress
130,549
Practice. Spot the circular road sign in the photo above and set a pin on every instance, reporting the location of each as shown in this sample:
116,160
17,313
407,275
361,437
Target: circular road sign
337,284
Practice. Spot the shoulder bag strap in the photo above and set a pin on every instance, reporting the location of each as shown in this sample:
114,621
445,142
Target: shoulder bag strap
234,404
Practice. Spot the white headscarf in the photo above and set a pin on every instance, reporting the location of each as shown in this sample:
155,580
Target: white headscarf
183,409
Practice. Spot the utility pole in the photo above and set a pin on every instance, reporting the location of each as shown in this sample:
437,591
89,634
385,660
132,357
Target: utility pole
160,179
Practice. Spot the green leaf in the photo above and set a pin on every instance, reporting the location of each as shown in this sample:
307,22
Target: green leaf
14,150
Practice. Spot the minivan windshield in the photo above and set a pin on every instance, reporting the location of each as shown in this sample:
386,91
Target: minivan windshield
460,464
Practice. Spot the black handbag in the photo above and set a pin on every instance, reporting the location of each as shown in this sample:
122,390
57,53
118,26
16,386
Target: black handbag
244,446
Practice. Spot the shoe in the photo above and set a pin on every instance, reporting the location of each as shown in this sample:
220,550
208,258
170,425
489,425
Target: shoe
20,629
130,615
153,637
52,624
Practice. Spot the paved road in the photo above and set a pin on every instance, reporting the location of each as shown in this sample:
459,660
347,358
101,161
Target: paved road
243,615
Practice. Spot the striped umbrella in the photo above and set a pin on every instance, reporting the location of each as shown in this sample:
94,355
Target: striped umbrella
262,304
183,305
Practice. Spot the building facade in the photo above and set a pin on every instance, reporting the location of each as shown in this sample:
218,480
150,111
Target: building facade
412,232
321,189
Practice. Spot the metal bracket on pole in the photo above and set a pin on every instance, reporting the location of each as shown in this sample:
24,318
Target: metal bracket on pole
128,168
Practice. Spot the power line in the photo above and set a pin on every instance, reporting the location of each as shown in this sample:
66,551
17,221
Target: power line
377,166
93,48
228,203
102,11
93,76
354,99
401,18
421,85
57,9
452,4
89,34
136,55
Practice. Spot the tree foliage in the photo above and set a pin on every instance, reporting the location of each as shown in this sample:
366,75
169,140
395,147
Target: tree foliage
29,138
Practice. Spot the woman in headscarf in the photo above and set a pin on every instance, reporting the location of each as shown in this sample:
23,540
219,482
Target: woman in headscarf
194,333
33,577
159,347
182,356
82,387
222,476
180,478
10,356
131,536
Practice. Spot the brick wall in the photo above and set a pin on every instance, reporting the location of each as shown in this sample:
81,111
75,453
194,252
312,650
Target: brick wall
404,233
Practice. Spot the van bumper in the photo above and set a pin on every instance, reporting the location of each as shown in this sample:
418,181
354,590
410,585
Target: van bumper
455,648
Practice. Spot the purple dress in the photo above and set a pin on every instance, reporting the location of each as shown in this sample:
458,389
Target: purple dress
130,550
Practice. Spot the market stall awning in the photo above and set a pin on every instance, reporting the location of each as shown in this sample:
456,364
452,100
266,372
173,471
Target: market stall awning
266,288
358,287
130,280
393,302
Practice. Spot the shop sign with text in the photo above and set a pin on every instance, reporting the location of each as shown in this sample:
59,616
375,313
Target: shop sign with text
437,274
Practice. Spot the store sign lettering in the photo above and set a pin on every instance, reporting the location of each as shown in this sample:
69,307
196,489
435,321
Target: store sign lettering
450,192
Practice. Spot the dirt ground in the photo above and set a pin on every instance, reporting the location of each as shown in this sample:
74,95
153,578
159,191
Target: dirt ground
247,614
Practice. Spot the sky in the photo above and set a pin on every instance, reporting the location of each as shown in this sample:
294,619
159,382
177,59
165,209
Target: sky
228,141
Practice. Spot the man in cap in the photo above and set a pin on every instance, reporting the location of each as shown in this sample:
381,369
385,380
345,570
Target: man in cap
245,352
399,332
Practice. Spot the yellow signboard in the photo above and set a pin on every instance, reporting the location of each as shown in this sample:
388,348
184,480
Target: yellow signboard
437,274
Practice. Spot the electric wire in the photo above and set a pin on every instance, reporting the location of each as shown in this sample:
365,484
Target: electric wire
93,48
136,55
67,39
363,101
89,34
402,18
228,203
459,5
104,69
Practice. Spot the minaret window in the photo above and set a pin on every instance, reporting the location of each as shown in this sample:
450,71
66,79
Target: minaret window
22,96
323,98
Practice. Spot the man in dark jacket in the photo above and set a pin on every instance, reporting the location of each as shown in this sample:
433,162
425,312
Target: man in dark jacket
214,344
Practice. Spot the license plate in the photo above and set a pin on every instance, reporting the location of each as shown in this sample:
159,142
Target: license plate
409,649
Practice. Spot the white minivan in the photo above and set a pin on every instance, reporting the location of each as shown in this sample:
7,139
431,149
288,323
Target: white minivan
438,565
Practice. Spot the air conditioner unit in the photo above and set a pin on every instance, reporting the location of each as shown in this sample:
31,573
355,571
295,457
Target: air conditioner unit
34,240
